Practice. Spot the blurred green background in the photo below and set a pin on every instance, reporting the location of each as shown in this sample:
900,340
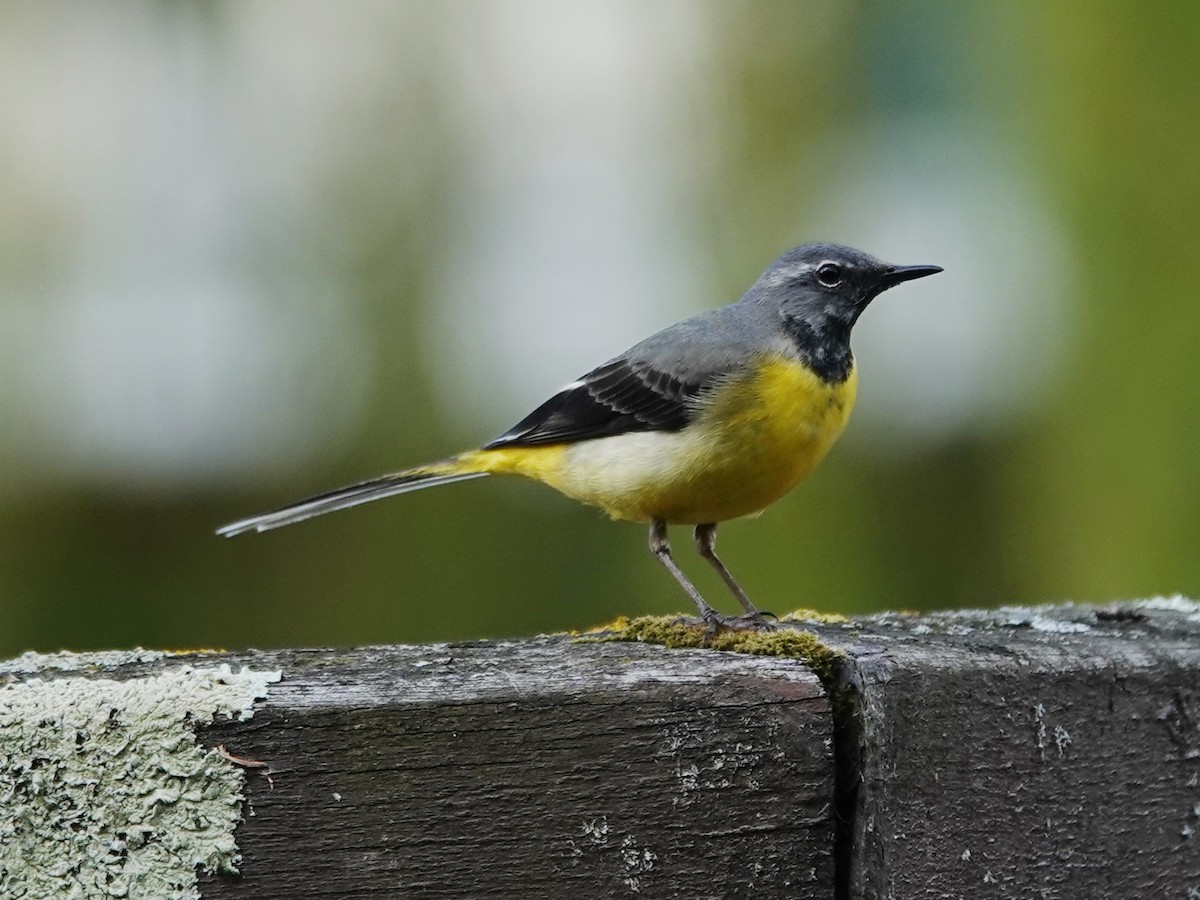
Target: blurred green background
254,250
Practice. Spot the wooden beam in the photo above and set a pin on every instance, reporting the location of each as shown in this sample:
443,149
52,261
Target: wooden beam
1049,752
540,768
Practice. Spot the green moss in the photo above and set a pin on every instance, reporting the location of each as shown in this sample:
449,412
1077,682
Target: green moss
787,642
815,615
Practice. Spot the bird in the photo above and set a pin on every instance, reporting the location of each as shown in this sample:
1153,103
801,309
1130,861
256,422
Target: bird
711,419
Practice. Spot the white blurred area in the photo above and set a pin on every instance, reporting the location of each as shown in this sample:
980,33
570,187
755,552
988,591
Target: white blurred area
576,249
161,318
583,132
973,348
169,312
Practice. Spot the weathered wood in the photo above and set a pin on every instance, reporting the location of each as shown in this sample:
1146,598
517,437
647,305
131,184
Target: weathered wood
1049,753
534,769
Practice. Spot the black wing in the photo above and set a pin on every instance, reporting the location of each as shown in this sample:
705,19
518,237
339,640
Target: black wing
620,396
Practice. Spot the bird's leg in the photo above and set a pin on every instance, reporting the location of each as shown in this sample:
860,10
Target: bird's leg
661,549
753,619
706,544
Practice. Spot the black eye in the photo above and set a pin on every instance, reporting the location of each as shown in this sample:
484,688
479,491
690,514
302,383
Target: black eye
829,274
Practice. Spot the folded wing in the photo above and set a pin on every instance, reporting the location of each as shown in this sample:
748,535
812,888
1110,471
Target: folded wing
621,396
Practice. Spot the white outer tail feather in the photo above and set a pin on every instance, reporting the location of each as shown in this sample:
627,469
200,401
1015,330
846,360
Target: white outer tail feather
344,498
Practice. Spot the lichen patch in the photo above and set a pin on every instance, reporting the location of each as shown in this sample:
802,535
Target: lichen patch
106,791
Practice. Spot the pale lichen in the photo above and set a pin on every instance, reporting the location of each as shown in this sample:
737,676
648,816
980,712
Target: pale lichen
105,790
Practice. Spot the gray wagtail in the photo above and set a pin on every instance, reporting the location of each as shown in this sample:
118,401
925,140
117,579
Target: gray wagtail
713,418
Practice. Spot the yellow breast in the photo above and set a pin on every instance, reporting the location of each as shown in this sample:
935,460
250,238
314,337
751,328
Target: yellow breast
756,437
767,433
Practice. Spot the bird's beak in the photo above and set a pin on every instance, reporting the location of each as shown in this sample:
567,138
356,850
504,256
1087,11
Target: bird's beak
895,275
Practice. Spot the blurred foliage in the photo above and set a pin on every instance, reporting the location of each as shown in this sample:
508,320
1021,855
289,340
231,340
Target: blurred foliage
1107,489
1094,496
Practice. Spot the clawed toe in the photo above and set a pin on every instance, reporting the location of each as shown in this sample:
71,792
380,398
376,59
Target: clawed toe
714,622
756,621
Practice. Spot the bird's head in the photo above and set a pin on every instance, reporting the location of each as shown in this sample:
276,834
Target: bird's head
827,286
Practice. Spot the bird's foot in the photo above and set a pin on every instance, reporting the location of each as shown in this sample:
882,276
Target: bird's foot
755,621
714,622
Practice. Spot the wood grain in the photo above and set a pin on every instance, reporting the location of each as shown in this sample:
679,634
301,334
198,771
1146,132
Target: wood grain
1050,752
1047,753
535,769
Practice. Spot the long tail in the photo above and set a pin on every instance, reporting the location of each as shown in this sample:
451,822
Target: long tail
456,468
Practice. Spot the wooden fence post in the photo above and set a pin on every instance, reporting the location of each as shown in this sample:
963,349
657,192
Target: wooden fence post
539,768
1044,752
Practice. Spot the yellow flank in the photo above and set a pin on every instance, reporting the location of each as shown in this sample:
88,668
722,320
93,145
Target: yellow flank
540,463
755,438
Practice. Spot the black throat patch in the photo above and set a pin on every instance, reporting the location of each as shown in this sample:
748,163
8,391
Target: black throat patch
825,348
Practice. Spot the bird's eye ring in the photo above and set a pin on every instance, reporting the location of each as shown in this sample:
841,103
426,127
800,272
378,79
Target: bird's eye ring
829,274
